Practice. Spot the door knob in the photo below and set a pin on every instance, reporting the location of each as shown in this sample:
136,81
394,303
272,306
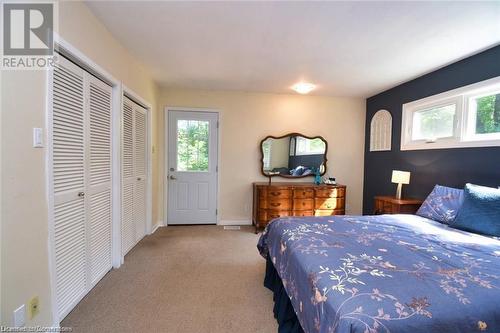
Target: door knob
81,194
139,178
173,178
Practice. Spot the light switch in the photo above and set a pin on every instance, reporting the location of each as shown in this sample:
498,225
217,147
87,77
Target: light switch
34,307
37,137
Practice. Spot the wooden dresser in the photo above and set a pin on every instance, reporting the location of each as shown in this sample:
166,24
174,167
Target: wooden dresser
275,200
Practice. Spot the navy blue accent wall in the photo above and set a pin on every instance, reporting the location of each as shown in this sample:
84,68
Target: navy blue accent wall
450,167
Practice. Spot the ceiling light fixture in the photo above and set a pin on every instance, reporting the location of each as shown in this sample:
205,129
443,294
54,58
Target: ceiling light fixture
303,87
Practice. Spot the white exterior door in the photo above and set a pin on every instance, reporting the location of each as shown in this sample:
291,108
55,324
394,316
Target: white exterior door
192,167
81,182
134,173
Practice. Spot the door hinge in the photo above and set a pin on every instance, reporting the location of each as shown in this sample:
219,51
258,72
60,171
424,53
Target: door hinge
216,168
216,211
217,124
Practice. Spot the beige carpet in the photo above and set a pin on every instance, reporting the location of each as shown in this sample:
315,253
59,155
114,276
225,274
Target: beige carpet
182,279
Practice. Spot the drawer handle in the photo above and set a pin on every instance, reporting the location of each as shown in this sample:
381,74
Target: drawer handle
275,204
274,216
304,193
303,203
275,193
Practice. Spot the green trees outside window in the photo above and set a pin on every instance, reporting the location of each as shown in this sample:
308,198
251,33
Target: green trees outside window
434,123
192,145
488,114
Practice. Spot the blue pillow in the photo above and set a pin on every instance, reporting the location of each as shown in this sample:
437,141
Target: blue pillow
480,212
442,204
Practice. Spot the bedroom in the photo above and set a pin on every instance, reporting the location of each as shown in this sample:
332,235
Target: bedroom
230,66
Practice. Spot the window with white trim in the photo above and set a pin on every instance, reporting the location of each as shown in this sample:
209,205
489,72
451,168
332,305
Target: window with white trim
306,146
463,117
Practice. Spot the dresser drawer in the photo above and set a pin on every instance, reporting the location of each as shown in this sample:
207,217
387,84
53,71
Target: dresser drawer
276,203
262,215
303,204
274,214
303,213
329,203
279,192
328,212
330,192
261,192
303,193
384,207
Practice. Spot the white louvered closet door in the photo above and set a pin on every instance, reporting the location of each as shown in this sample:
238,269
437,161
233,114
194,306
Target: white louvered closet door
128,177
134,173
68,136
140,166
99,178
81,135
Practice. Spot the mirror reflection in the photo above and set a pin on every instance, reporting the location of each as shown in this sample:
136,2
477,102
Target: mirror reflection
293,156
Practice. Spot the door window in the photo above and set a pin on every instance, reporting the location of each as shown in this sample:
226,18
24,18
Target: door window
192,145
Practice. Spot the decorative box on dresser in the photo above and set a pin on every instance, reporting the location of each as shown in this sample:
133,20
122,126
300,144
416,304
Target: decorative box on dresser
275,200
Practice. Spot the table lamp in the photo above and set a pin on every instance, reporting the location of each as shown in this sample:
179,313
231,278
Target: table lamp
400,178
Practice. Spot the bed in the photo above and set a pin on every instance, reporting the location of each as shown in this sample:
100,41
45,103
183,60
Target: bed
387,273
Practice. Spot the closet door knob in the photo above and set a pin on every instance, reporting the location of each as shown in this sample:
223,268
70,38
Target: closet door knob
81,194
139,178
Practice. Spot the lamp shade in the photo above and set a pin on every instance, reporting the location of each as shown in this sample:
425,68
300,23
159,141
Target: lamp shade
400,177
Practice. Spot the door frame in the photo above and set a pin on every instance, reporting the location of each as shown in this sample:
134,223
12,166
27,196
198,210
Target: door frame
78,57
165,156
136,98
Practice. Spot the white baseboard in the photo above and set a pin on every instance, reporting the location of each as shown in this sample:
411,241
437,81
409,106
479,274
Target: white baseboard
235,222
156,226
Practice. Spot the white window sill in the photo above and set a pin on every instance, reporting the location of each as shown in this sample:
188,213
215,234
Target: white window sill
449,145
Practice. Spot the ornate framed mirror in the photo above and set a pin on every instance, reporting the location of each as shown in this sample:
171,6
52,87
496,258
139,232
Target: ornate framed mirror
293,155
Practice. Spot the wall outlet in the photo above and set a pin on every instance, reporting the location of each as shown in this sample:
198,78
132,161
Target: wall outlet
20,316
33,307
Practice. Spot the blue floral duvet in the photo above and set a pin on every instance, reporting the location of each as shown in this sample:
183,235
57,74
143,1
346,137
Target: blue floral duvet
388,273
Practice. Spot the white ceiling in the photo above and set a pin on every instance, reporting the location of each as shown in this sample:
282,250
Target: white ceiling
346,48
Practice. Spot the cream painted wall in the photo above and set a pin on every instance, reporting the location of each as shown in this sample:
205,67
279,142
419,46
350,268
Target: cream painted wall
246,118
24,233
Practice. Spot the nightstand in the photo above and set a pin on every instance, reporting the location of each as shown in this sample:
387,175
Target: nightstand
391,205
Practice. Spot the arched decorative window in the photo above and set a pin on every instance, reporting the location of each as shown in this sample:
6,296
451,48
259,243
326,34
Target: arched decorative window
381,131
